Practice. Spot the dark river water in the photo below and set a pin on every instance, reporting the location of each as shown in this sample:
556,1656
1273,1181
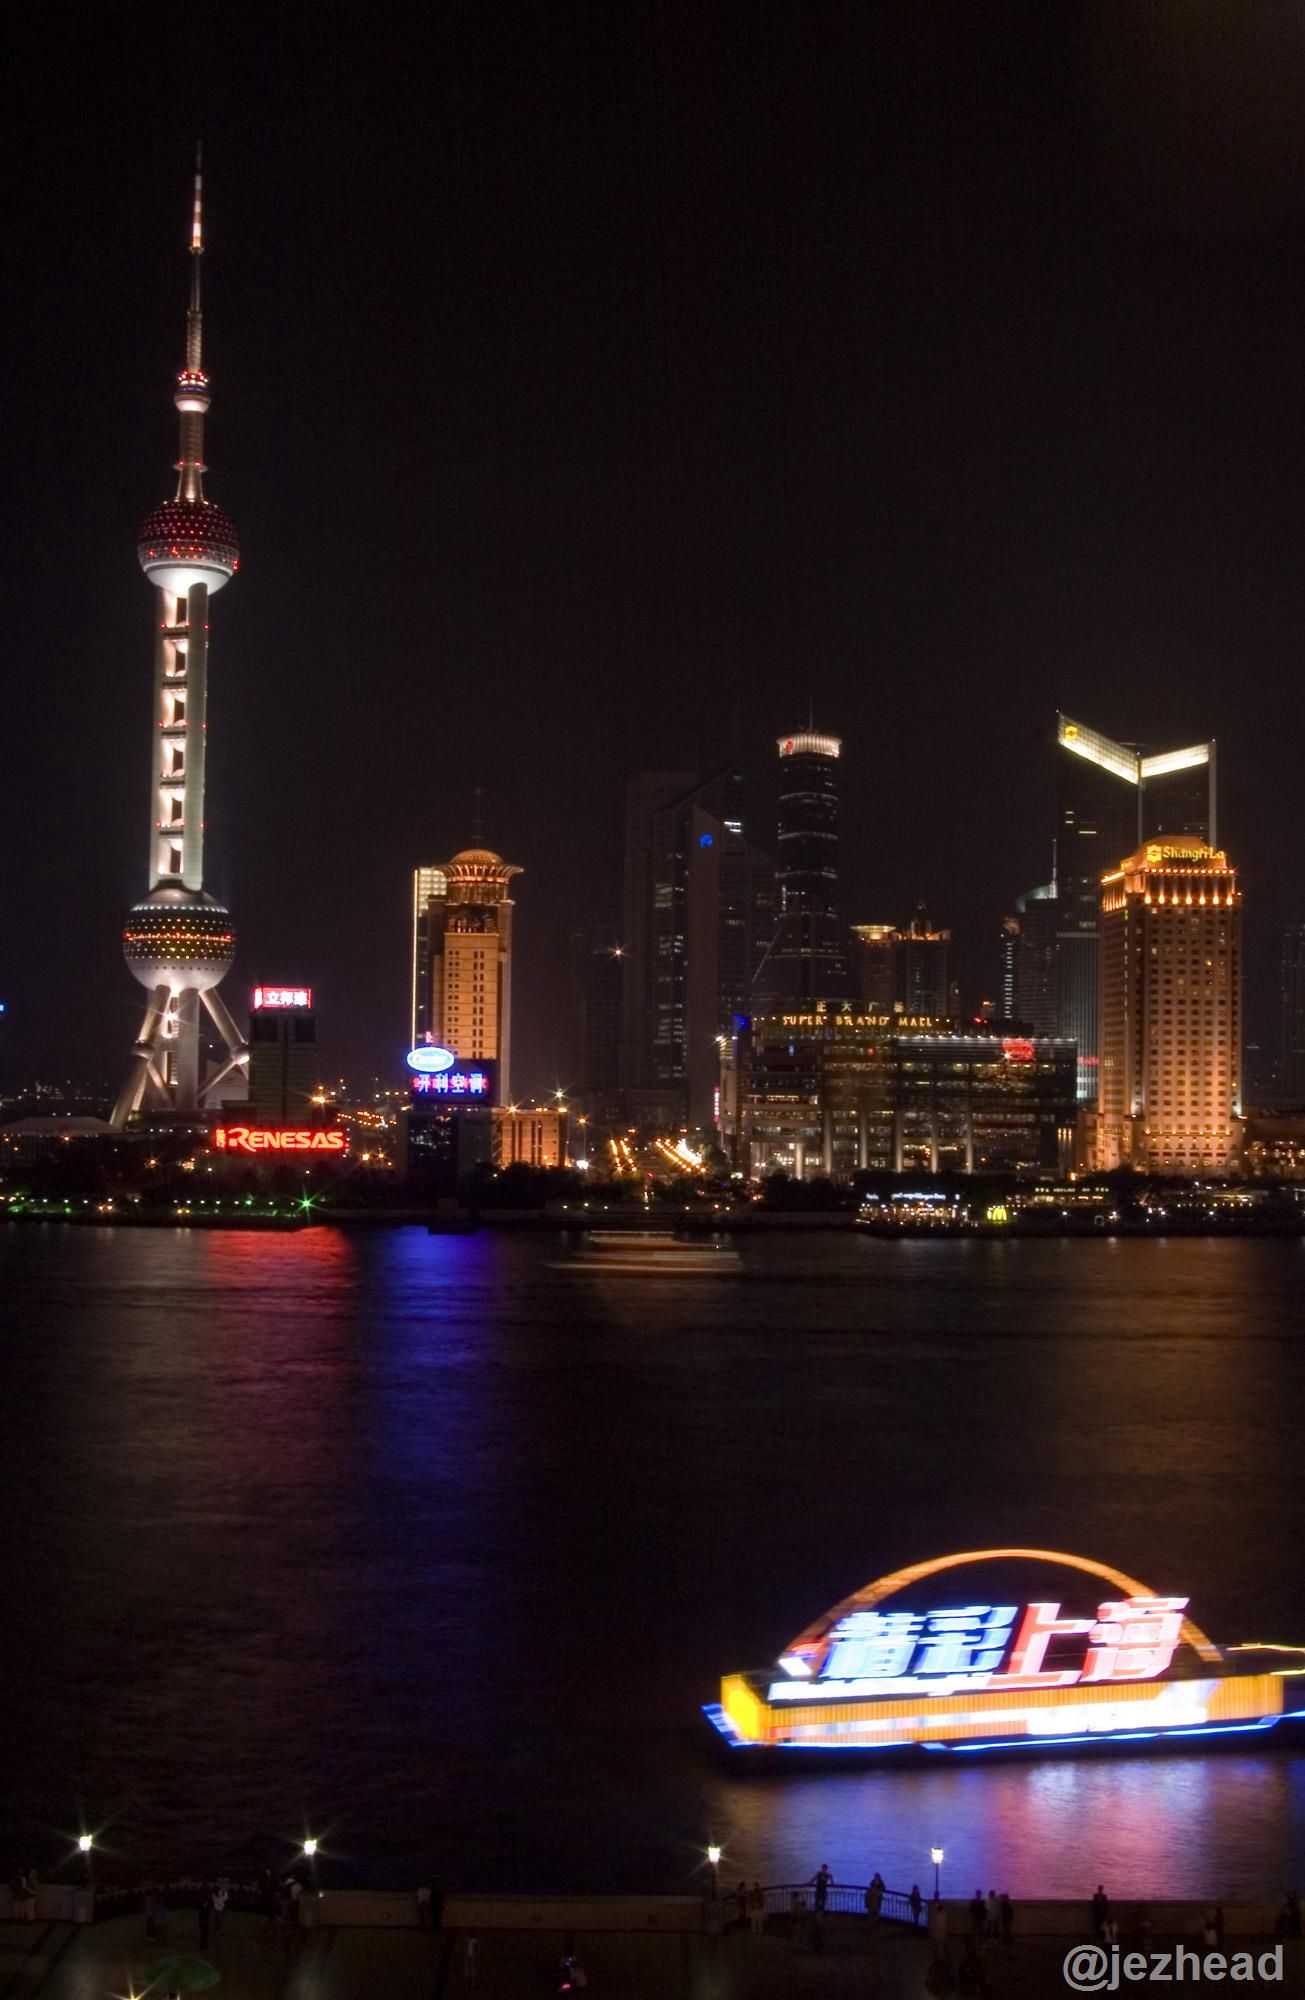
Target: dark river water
434,1550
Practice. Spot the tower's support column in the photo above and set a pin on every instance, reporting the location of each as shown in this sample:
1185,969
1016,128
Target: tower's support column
164,655
186,1050
192,853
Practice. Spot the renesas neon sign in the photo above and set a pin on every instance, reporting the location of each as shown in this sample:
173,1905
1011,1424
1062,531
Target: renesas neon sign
988,1646
282,996
278,1139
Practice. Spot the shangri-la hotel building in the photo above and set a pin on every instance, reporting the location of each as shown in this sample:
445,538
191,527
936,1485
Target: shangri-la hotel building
1169,1083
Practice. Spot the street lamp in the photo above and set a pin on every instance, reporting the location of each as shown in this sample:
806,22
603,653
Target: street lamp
936,1856
85,1842
713,1856
310,1847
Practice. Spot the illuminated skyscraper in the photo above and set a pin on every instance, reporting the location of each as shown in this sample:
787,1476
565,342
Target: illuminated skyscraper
809,957
462,959
1110,796
1171,1036
1031,994
430,889
179,941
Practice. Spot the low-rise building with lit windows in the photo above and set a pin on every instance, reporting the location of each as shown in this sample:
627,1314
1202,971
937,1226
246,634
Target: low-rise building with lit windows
831,1092
532,1135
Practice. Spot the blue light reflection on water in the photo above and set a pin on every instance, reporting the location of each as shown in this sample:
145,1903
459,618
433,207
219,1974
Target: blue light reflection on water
432,1545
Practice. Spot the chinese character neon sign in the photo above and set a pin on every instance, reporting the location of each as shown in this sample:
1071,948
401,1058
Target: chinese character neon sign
283,996
277,1139
461,1083
982,1646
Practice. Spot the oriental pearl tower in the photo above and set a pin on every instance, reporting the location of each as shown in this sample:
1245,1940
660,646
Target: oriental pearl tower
179,941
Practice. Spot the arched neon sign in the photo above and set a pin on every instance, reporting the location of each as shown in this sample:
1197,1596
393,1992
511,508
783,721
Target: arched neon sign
871,1674
813,1640
428,1060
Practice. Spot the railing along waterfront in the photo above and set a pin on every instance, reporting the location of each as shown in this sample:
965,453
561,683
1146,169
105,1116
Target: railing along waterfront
843,1899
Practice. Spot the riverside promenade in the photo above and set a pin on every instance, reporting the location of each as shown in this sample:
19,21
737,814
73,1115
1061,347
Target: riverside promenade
360,1946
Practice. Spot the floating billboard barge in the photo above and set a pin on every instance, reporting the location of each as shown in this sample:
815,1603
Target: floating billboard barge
895,1668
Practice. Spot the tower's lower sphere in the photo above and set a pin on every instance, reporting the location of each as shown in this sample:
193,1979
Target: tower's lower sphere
178,938
185,542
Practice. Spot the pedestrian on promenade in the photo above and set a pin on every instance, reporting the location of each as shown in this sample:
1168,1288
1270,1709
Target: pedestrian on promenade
823,1882
938,1929
1100,1911
978,1913
1110,1931
741,1902
875,1895
1006,1915
992,1923
916,1901
221,1891
470,1958
204,1914
757,1909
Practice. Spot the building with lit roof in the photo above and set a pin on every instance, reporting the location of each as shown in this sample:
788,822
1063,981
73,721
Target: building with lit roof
809,958
1110,796
902,971
1170,1084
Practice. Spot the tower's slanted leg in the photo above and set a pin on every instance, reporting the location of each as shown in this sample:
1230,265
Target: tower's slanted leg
132,1094
237,1051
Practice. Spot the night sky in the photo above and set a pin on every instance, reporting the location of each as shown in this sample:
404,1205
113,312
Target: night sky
587,377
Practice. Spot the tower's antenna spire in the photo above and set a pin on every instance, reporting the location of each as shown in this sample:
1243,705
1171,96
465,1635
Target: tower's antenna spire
191,395
194,322
478,825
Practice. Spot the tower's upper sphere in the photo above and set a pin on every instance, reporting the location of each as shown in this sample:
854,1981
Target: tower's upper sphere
191,392
178,938
185,542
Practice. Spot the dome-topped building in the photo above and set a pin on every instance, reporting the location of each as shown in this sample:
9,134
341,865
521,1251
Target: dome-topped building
462,958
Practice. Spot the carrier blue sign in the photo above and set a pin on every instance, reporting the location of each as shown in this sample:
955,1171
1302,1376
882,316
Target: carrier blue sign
428,1060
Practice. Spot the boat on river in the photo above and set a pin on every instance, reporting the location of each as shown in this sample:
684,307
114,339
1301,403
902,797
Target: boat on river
617,1253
